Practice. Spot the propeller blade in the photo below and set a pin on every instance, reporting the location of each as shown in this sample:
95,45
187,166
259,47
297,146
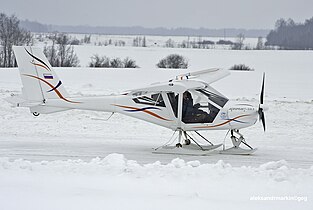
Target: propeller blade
260,111
262,90
262,118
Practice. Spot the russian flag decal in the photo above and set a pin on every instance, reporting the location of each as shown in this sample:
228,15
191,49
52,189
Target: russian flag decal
48,76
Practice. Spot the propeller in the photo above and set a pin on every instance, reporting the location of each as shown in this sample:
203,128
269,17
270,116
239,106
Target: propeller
261,108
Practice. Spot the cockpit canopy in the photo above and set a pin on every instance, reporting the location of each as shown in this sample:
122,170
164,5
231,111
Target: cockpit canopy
199,106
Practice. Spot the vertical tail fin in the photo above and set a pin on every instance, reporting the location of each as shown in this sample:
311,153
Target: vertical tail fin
39,80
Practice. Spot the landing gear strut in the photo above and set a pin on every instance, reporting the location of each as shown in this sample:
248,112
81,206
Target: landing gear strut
187,145
237,138
179,144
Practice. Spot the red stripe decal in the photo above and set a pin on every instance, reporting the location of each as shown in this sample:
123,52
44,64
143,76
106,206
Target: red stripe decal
213,126
146,111
37,64
55,90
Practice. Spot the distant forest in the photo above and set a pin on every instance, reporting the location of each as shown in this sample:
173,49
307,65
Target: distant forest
289,35
138,30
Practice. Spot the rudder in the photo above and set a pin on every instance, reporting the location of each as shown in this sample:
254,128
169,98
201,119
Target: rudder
39,80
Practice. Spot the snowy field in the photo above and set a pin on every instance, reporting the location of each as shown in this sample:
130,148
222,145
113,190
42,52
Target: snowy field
76,160
151,41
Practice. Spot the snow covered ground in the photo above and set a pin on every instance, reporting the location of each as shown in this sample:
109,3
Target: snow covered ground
74,160
151,41
117,183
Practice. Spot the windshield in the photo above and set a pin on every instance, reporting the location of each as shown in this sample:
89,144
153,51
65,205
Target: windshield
214,97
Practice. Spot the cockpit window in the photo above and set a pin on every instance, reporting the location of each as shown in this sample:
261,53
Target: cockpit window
197,108
153,99
174,101
219,100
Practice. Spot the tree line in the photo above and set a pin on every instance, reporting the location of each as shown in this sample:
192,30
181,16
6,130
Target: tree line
11,34
60,53
289,35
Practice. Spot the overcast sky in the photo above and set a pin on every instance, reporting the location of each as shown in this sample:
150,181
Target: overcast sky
250,14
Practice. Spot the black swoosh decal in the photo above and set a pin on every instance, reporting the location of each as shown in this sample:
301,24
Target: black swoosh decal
58,85
142,109
37,59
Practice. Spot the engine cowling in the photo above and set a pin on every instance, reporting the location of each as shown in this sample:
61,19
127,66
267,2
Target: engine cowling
242,115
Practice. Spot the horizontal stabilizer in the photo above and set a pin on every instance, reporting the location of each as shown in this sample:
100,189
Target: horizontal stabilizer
18,101
42,109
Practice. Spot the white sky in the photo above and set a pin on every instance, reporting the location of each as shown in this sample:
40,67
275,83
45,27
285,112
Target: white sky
250,14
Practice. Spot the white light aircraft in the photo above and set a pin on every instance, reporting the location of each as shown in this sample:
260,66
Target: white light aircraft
186,104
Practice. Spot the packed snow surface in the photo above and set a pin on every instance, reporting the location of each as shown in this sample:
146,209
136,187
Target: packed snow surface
117,183
77,160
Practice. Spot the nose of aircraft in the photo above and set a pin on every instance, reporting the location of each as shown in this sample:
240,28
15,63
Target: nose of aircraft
242,115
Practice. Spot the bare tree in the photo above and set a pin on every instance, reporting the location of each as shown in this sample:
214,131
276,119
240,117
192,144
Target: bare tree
169,43
64,49
239,43
11,34
51,51
260,44
144,44
184,44
61,52
139,41
86,39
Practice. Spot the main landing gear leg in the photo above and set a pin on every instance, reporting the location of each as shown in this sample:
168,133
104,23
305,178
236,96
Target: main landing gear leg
179,144
187,145
237,138
195,145
187,138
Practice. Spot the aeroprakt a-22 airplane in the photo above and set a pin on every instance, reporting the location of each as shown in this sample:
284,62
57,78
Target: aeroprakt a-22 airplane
186,104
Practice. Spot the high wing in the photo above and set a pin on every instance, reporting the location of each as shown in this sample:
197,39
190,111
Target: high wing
184,82
209,75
